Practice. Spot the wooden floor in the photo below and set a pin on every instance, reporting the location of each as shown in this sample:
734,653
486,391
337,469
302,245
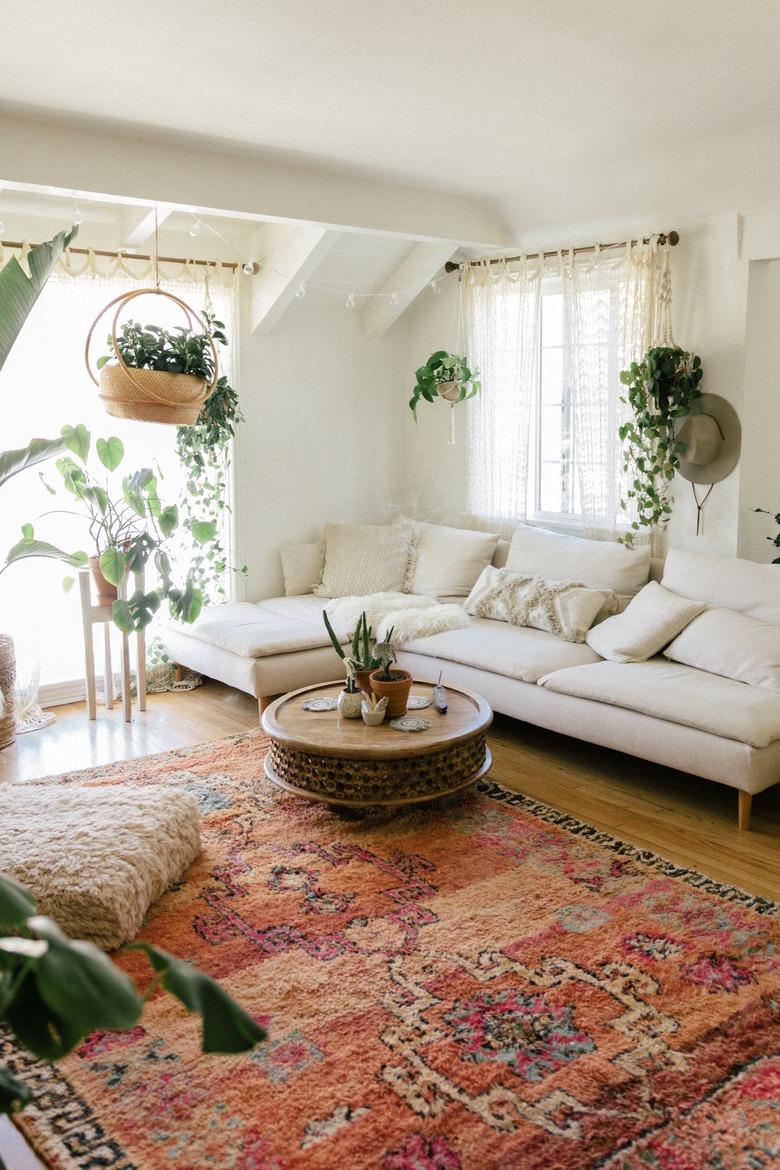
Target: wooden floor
691,821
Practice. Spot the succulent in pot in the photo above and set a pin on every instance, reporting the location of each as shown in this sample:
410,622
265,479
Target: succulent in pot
362,657
394,685
350,699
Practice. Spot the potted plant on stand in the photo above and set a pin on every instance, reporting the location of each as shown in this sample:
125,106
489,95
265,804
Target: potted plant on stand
394,685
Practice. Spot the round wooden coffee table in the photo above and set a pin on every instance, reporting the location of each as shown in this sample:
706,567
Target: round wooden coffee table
319,755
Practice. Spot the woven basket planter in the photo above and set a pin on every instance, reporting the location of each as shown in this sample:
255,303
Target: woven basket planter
150,395
8,688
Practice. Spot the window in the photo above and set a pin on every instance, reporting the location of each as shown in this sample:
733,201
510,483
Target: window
555,490
44,385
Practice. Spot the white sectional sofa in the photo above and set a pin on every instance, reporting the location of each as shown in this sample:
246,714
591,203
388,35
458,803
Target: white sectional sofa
673,714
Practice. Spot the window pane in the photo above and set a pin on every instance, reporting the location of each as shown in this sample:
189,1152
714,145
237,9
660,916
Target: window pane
552,319
552,375
551,432
550,487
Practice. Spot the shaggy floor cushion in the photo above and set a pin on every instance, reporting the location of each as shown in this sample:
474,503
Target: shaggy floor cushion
96,859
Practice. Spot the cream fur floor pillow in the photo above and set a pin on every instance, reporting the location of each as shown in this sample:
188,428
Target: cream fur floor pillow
95,859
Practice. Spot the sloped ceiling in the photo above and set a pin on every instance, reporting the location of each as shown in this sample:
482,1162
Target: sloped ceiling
555,113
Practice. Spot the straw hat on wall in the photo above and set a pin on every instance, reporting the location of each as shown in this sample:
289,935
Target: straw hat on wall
713,437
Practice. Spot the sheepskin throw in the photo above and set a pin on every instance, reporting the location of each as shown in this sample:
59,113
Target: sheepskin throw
410,615
96,859
565,608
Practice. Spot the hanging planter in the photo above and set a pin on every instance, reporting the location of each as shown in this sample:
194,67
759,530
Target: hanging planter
448,377
152,375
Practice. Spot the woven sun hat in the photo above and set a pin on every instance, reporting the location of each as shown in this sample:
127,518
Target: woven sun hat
713,436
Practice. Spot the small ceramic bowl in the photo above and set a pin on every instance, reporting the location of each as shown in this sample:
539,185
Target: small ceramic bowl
372,718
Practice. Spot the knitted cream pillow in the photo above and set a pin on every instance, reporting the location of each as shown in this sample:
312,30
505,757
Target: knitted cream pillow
366,558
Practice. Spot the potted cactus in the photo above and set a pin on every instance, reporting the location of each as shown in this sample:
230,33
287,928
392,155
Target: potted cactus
394,685
358,665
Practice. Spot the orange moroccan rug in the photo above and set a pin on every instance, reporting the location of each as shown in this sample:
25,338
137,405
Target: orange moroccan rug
485,984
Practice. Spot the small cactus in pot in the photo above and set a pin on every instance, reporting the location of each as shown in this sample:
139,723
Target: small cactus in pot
394,685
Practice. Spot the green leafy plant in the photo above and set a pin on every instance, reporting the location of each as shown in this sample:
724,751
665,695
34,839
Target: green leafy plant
55,991
773,540
385,652
129,526
363,653
444,375
176,351
660,391
204,452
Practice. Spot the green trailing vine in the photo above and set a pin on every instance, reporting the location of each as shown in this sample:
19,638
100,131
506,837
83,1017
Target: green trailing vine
773,540
204,452
659,390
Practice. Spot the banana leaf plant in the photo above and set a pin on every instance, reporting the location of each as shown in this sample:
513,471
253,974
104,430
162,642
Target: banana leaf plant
55,991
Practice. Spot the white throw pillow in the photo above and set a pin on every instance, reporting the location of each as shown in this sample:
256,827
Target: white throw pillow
647,624
565,608
366,558
301,567
727,582
732,644
602,564
449,560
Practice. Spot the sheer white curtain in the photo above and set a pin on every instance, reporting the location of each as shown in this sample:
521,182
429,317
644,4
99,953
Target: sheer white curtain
616,305
502,337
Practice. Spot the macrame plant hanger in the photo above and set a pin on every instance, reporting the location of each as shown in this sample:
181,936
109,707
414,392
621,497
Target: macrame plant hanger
458,331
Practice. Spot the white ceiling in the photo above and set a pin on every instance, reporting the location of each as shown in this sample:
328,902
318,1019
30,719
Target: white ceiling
557,112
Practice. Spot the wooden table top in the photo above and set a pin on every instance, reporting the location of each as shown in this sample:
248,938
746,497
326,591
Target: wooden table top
326,733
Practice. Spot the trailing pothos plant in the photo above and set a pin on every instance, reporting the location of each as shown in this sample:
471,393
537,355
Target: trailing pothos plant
204,453
773,540
175,351
659,390
56,991
447,376
129,526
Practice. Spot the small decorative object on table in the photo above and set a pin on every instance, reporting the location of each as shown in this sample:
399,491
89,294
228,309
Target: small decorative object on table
417,703
440,700
410,723
320,704
373,709
394,685
351,698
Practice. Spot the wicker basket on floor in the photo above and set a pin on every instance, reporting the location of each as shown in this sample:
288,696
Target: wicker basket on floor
7,688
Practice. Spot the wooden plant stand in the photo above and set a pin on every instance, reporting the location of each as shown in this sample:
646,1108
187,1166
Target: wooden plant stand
96,615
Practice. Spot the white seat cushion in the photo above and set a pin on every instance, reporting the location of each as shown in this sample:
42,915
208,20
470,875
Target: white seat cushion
258,631
515,651
680,694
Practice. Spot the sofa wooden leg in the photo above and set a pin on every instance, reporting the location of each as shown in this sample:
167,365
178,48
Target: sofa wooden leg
745,801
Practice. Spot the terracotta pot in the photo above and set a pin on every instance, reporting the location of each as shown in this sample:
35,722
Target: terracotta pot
363,680
349,704
107,593
396,691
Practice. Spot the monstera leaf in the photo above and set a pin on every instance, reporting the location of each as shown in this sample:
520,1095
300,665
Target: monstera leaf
19,292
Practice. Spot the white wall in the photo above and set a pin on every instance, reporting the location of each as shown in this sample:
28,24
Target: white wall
712,316
322,437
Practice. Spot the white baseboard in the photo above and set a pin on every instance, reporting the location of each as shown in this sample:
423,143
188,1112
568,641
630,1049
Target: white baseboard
55,694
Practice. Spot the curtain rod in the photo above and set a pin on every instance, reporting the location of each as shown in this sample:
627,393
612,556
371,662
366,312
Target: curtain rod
451,266
231,265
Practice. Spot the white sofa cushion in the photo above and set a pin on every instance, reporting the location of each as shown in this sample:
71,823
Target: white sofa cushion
254,631
515,651
565,608
366,558
301,567
448,560
732,644
727,582
648,623
679,694
601,564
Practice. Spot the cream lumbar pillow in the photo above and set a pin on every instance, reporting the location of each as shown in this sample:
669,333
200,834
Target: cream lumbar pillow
646,625
723,641
366,558
449,560
601,564
301,566
565,608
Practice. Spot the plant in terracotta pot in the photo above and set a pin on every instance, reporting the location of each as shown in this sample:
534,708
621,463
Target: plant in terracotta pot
394,685
447,376
362,658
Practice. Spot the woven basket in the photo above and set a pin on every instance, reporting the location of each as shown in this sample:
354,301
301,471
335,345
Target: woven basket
152,395
8,688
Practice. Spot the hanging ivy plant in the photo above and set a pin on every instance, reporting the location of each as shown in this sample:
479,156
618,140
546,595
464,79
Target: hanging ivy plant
444,375
773,540
204,451
660,390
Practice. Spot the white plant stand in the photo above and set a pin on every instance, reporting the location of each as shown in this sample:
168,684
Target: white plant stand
96,615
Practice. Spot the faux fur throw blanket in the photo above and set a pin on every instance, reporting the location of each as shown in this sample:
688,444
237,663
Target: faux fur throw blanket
411,615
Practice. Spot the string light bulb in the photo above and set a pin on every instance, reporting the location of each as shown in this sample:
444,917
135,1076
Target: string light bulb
434,286
394,299
196,228
300,291
78,215
249,267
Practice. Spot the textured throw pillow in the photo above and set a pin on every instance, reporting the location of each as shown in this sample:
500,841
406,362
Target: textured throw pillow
449,560
366,558
301,567
722,641
647,624
602,564
565,608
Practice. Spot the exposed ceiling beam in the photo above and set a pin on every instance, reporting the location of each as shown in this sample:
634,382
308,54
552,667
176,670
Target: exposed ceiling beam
403,285
287,256
142,224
